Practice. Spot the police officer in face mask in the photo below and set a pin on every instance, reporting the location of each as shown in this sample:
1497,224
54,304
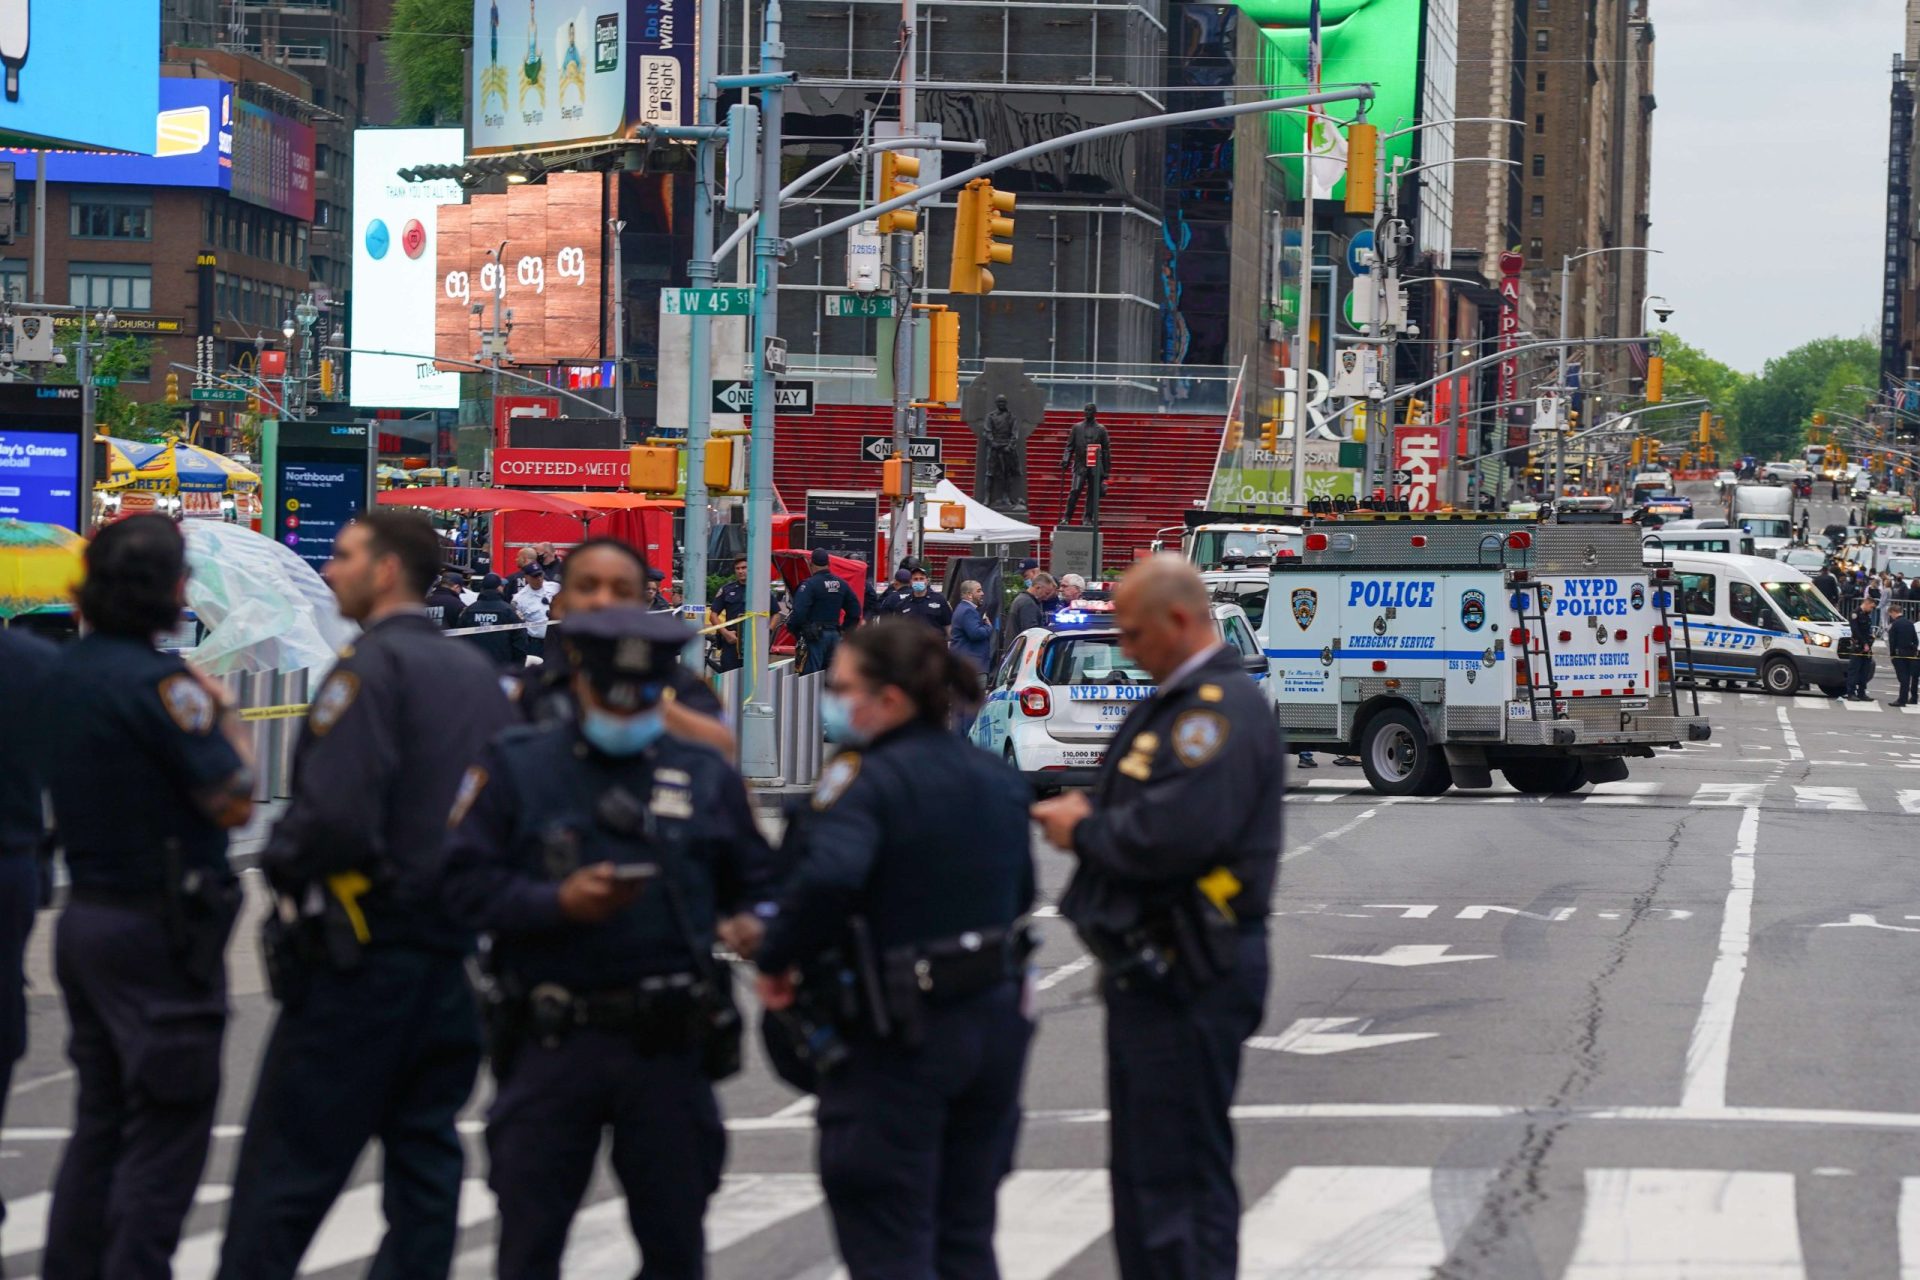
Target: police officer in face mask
598,855
924,603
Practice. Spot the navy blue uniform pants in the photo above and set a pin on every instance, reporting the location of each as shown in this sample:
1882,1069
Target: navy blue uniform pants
543,1136
145,1044
388,1050
1173,1061
914,1144
19,900
819,650
1859,672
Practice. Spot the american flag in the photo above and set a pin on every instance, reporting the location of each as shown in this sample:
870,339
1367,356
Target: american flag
1637,352
1324,139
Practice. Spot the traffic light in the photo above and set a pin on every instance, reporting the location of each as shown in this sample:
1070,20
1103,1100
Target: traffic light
980,222
1819,419
943,367
326,379
1656,377
1706,426
653,469
893,169
1633,452
1270,435
1362,143
1234,432
173,388
896,478
1414,409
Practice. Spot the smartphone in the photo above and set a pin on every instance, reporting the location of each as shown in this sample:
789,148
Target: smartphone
635,872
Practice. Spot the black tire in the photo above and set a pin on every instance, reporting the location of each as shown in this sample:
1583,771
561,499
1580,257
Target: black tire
1833,690
1398,759
1546,776
1779,676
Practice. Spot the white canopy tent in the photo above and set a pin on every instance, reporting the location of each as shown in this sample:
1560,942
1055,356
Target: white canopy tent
984,524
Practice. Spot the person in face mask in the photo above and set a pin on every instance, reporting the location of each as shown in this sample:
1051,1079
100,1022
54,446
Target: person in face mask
919,840
924,603
599,854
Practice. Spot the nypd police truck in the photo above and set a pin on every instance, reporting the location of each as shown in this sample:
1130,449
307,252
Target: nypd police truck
1441,648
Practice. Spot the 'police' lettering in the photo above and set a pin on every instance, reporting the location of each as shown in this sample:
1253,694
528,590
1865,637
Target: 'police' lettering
1376,594
1590,597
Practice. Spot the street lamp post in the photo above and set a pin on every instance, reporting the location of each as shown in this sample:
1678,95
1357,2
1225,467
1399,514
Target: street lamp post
1560,379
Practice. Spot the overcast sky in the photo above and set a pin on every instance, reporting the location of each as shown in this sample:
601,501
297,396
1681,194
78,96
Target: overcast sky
1769,169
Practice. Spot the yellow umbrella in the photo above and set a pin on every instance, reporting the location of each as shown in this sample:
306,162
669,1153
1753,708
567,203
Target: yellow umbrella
121,466
39,566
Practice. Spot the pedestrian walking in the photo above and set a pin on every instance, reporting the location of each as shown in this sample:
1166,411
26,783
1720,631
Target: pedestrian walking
140,948
1175,912
1860,650
971,635
913,870
377,1037
506,647
729,607
597,855
1903,648
823,610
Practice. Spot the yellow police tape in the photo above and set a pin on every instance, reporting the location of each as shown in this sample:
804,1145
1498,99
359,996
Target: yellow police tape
286,712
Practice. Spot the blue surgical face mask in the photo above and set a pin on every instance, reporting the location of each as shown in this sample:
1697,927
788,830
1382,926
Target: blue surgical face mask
919,588
836,722
621,735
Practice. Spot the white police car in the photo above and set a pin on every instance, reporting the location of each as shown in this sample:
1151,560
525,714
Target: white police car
1061,691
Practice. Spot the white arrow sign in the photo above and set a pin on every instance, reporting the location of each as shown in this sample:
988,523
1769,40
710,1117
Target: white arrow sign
1409,957
1317,1036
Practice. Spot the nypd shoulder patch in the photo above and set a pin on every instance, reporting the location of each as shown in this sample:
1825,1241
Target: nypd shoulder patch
335,696
1198,736
835,779
188,703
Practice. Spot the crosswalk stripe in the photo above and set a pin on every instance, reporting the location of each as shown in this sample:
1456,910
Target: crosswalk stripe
1909,801
352,1230
1836,799
1681,1223
25,1230
1871,707
1358,1222
1910,1229
1047,1218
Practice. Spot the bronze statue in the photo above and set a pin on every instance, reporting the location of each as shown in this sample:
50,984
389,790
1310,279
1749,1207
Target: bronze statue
1089,456
1003,457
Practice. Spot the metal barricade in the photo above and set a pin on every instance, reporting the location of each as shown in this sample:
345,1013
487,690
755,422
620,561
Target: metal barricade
291,690
255,688
806,729
784,693
726,687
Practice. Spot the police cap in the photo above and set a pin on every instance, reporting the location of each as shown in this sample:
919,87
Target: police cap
626,653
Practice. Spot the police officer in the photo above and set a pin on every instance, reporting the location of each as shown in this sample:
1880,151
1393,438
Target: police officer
139,949
894,599
1175,912
1903,646
604,573
377,1036
598,855
1860,649
925,604
914,867
492,609
823,608
444,605
26,672
729,606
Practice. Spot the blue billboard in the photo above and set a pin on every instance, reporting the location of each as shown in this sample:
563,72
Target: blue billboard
79,74
189,144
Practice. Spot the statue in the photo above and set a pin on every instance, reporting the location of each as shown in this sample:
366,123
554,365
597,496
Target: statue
1089,456
1003,406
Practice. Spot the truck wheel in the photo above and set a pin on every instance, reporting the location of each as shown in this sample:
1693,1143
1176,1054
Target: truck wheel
1397,758
1550,776
1779,676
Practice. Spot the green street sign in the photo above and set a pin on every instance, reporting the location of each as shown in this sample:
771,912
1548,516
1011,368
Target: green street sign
864,305
105,380
730,300
231,394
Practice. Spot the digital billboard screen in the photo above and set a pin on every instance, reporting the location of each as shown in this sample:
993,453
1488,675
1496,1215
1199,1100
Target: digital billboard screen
396,244
40,476
554,283
79,75
188,144
273,161
317,499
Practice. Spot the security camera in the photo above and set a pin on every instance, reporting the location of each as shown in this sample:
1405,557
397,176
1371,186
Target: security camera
1412,330
1662,313
60,358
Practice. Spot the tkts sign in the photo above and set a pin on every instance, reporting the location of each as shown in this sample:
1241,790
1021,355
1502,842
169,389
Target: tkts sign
1417,455
549,274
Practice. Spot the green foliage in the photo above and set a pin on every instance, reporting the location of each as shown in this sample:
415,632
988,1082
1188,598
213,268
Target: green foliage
1775,408
425,44
114,412
1692,372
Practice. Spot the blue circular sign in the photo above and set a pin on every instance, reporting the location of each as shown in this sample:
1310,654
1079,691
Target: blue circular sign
378,238
1362,241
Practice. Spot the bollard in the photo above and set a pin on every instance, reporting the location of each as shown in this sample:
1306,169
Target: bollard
254,687
783,719
293,691
807,730
730,694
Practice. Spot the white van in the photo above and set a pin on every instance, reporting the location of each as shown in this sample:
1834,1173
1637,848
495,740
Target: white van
1712,541
1741,618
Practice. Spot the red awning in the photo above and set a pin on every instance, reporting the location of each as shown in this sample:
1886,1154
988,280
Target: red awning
443,498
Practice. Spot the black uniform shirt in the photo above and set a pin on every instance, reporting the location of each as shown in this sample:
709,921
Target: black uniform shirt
388,737
730,601
1861,627
491,609
824,601
26,672
921,832
527,817
930,608
444,607
1902,639
1190,783
893,600
131,739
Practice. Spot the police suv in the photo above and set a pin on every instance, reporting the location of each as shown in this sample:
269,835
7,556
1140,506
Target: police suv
1059,695
1440,648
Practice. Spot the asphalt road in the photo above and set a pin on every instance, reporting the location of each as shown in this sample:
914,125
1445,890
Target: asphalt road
1656,1029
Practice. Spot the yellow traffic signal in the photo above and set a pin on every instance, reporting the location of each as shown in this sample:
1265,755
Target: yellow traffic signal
1234,430
982,221
173,388
1633,452
943,368
653,469
1362,141
326,379
1706,425
1819,419
718,466
893,169
1656,377
1270,435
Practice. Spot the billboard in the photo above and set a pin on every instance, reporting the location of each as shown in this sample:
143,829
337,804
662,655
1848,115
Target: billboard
560,468
79,75
1417,458
40,439
1375,41
552,279
273,161
578,71
189,144
395,245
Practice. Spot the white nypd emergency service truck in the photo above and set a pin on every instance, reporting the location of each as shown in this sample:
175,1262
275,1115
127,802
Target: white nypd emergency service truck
1440,648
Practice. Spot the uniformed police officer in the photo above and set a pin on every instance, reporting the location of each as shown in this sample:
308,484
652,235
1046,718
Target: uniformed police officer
491,608
377,1035
444,605
823,609
923,603
603,573
26,672
597,856
914,867
140,947
729,606
1175,911
894,599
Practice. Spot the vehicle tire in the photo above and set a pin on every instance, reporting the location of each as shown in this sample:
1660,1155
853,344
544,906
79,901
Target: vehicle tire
1397,758
1547,776
1779,676
1833,690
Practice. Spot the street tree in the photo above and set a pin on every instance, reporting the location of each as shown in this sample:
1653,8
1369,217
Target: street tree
425,45
122,359
1692,373
1775,408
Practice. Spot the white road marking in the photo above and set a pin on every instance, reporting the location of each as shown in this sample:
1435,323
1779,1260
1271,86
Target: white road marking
1047,1218
1708,1051
351,1231
1408,957
1049,981
1358,1223
1316,1037
1833,799
1873,707
798,1107
1866,920
1363,816
1909,801
1910,1229
1731,794
1683,1223
1792,739
25,1230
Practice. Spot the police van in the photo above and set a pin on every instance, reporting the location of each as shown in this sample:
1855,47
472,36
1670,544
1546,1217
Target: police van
1440,648
1741,619
1059,695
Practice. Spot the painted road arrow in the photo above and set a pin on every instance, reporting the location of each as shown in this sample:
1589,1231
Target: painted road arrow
1409,957
1318,1036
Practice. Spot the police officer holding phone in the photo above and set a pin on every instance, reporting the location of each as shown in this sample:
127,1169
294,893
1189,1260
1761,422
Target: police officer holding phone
598,854
140,948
